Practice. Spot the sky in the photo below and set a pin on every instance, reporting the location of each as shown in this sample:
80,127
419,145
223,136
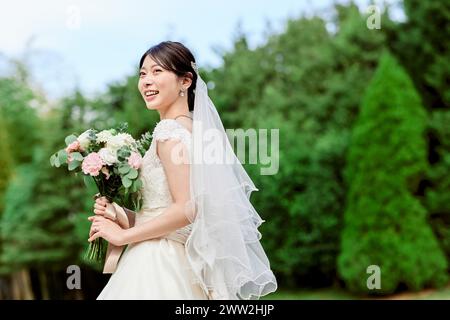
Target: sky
88,44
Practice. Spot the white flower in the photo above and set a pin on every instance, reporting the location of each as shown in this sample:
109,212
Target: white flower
114,143
126,138
120,140
104,136
109,156
83,139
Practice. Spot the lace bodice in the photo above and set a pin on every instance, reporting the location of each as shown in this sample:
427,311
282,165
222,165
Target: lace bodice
155,189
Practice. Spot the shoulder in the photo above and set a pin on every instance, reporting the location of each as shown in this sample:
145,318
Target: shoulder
174,140
170,129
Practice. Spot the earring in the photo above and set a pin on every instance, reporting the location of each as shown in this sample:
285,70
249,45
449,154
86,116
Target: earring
182,93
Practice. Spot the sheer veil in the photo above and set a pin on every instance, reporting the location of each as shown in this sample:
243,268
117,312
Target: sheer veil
223,249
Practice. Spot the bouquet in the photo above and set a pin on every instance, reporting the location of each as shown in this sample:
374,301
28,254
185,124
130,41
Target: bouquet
112,158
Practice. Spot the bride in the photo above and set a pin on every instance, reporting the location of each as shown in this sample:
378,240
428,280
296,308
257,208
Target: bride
196,236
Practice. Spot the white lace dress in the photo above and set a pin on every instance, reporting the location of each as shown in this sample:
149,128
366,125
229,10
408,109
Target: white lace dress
156,268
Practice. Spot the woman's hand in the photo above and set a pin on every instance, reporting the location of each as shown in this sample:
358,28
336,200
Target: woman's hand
107,229
100,206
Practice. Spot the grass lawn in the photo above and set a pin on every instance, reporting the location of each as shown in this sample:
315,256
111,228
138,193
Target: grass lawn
340,294
313,294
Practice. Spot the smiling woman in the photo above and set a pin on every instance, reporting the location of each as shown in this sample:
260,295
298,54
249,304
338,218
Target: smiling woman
164,78
196,235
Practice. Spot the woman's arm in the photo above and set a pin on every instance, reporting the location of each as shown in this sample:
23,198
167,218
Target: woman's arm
170,220
172,154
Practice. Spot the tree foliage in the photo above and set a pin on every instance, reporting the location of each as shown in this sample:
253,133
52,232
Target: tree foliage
385,225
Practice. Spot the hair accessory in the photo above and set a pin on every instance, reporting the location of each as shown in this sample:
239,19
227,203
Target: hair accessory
194,66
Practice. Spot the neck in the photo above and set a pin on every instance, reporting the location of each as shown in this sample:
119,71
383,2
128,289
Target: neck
179,107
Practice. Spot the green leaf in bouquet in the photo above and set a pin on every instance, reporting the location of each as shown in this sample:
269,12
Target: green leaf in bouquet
70,139
138,184
124,169
62,156
136,200
77,156
52,160
89,182
123,153
135,203
56,162
126,182
122,127
133,187
74,164
132,174
143,144
92,136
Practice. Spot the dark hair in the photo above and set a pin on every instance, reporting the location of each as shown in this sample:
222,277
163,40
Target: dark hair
175,57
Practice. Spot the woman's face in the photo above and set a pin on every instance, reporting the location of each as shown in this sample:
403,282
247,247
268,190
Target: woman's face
159,88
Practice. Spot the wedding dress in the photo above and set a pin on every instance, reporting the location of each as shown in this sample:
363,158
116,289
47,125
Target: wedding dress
219,255
156,268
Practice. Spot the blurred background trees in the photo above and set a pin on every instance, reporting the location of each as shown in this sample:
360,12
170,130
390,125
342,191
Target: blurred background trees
422,45
364,155
384,223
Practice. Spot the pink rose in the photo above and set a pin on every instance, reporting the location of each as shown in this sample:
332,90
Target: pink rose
135,160
74,146
92,164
